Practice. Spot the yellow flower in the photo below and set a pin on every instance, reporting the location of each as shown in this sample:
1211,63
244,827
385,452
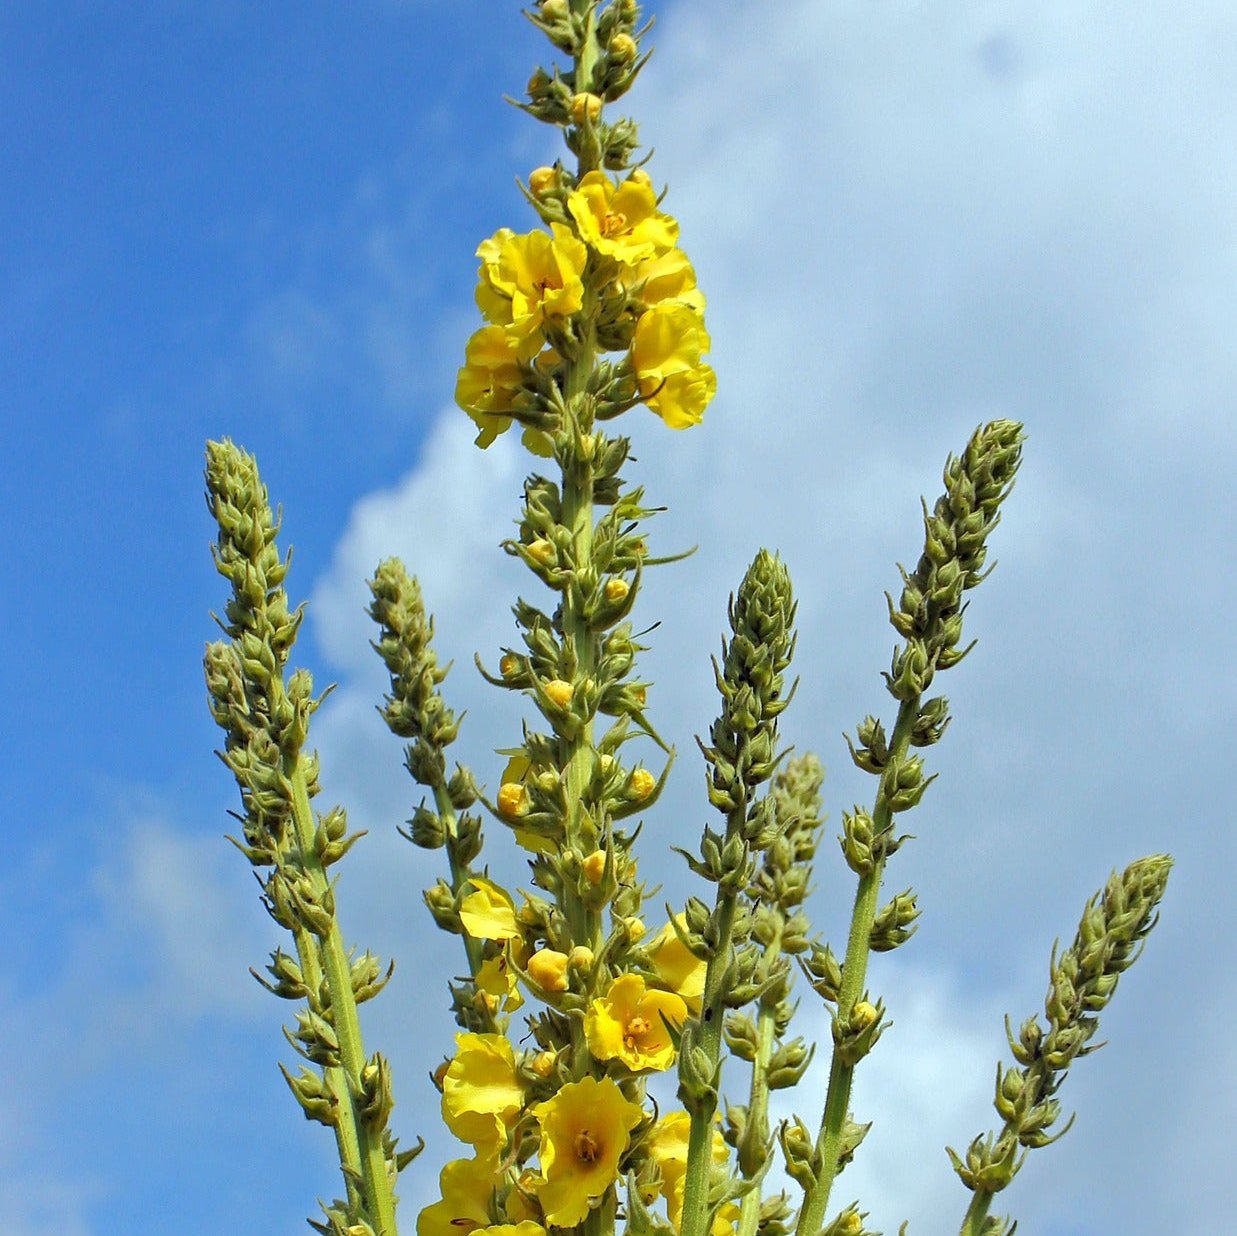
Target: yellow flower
585,1131
667,1145
667,277
481,1094
524,1228
627,1024
488,913
488,383
548,969
466,1186
621,222
669,341
496,977
521,1204
676,966
528,279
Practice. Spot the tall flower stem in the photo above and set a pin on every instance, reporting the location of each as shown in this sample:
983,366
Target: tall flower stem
854,974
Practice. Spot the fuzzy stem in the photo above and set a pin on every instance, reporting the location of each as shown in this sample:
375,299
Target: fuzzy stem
976,1213
854,972
360,1146
712,1014
758,1096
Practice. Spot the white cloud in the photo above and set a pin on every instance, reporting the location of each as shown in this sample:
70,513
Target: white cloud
908,219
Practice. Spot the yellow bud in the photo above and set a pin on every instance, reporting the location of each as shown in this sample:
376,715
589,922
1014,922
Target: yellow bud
594,866
548,781
585,105
542,551
623,48
581,957
541,180
616,589
509,665
640,784
543,1063
440,1073
850,1224
639,694
489,1003
548,969
554,10
635,929
862,1015
605,761
558,692
512,800
521,1209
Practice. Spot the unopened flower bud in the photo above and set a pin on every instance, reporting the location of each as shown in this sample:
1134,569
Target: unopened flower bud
616,589
509,665
581,957
594,866
585,106
554,10
543,1063
440,1073
559,692
541,180
862,1015
548,969
623,48
512,800
542,551
640,784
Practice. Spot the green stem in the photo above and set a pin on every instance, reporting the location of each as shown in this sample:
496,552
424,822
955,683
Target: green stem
361,1148
976,1213
854,973
459,874
712,1013
758,1096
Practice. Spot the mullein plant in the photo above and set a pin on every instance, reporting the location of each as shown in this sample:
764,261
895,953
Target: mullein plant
569,1004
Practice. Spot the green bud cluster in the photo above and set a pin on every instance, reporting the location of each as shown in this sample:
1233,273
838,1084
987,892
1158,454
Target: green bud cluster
604,46
265,719
742,938
415,709
1115,923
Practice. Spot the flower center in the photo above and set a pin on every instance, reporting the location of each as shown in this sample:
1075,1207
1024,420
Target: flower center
587,1149
615,223
637,1028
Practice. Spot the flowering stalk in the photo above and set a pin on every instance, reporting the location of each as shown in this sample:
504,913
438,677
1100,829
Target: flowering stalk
266,721
1114,926
742,756
929,618
415,710
780,926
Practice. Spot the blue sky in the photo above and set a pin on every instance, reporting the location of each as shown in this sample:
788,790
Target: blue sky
218,220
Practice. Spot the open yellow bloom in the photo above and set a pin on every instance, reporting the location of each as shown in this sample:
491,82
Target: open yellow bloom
676,966
481,1094
669,341
629,1023
621,221
467,1186
489,381
496,977
667,277
530,278
585,1131
667,1145
488,913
